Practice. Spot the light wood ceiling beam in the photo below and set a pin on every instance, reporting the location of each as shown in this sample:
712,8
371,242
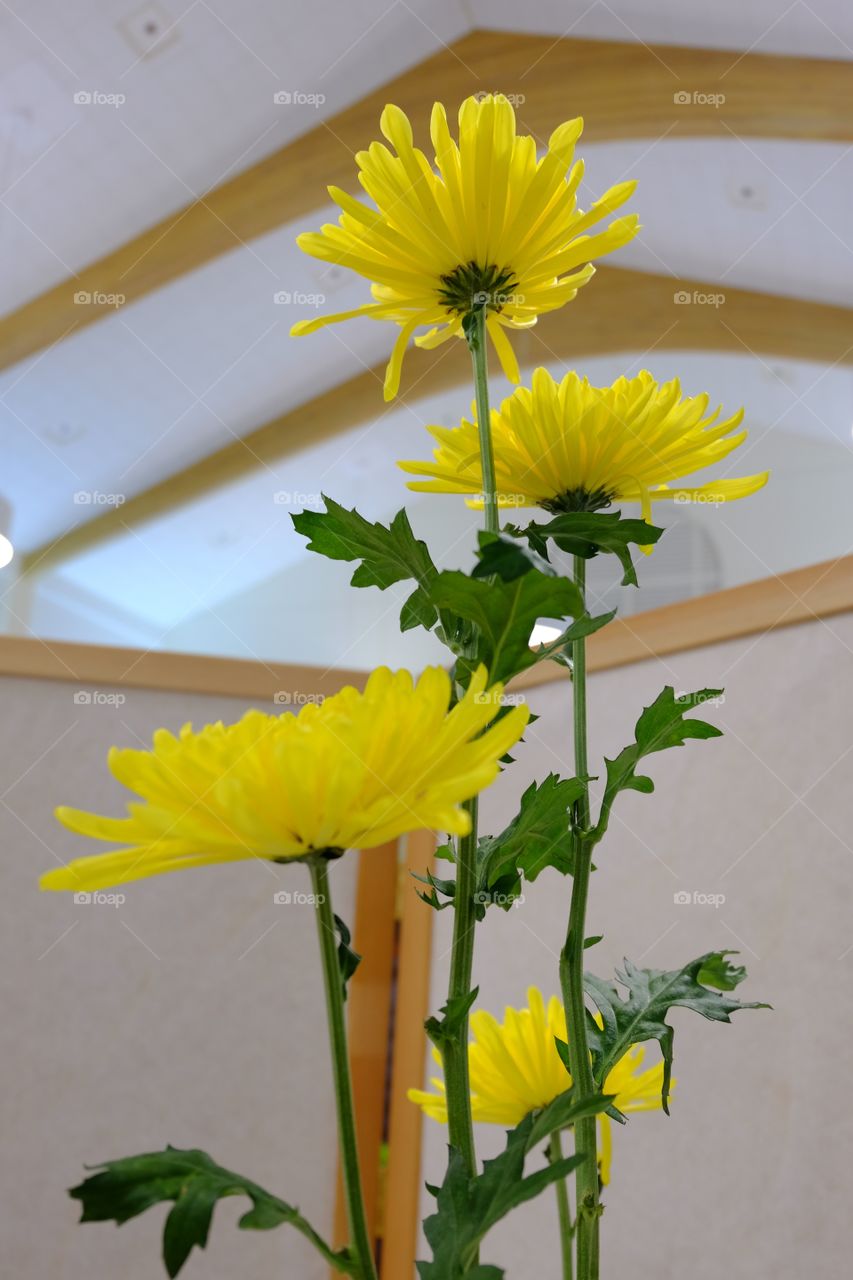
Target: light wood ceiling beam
623,91
619,311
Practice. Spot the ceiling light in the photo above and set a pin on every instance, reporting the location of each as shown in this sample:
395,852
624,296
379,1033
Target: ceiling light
544,633
6,549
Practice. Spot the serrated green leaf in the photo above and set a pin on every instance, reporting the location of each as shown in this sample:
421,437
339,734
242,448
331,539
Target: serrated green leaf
121,1189
721,973
452,1018
505,557
641,1014
468,1207
661,725
565,1110
388,554
588,533
504,614
537,837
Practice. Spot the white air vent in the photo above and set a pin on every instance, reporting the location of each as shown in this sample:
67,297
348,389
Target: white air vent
149,30
747,194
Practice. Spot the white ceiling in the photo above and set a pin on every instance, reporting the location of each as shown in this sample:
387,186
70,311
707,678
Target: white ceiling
156,385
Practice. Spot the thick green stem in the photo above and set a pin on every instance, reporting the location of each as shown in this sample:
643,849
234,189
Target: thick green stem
455,1051
571,974
477,344
360,1243
564,1210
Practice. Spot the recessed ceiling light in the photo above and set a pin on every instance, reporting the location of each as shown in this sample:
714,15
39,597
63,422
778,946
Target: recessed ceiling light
7,551
544,633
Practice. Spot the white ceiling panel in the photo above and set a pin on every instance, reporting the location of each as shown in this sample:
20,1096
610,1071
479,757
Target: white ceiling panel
818,29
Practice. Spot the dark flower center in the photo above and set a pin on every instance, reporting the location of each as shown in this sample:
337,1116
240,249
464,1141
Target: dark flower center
471,288
577,500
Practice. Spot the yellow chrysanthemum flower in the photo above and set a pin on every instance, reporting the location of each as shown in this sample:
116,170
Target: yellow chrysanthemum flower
350,773
515,1068
494,227
569,446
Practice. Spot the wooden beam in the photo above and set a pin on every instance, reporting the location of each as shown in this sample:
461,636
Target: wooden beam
95,664
802,595
619,311
403,1182
624,90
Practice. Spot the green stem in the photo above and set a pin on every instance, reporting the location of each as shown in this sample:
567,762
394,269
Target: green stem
360,1243
564,1209
455,1052
571,973
477,345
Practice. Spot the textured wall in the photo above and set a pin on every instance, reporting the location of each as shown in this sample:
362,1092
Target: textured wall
190,1014
750,1176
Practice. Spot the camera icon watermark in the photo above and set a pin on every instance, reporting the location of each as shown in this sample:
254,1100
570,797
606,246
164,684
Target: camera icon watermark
286,898
695,297
697,899
286,698
298,98
286,298
85,298
698,499
514,99
100,899
98,698
482,898
488,698
95,98
94,498
703,700
291,498
696,98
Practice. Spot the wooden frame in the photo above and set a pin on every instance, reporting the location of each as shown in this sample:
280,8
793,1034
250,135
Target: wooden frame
159,669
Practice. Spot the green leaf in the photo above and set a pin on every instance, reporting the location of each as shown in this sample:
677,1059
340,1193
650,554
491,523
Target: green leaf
537,837
661,725
387,554
122,1189
587,533
348,960
641,1015
565,1110
451,1020
505,613
503,556
468,1207
721,973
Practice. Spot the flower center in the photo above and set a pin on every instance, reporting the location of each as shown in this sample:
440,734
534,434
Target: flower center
578,499
470,288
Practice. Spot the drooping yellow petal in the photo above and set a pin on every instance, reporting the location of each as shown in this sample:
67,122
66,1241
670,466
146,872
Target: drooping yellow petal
351,773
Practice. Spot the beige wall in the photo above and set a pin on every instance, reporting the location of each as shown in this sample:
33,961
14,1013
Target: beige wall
750,1177
191,1014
